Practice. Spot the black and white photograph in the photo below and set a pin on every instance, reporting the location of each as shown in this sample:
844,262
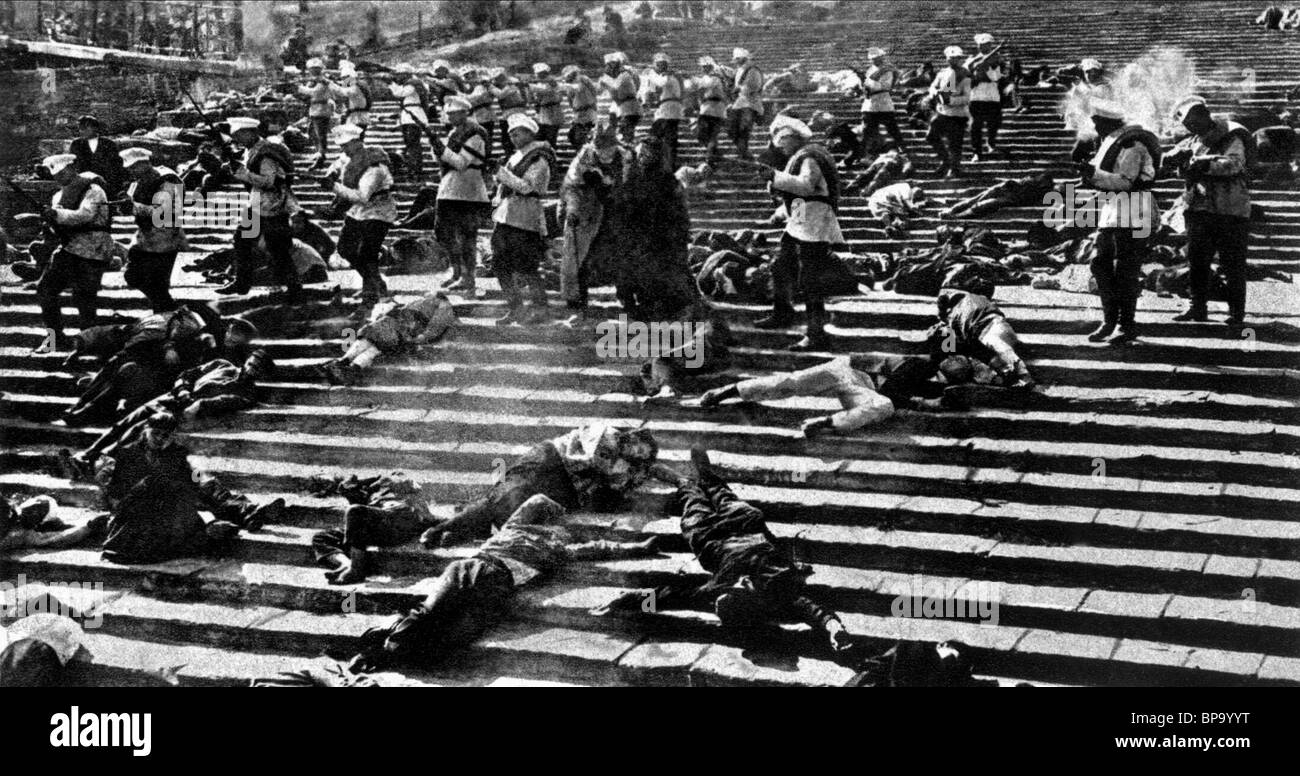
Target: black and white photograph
676,343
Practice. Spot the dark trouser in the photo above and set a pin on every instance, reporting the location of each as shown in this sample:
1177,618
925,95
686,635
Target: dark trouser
627,128
582,293
278,234
83,276
794,263
1117,269
579,134
549,133
456,229
124,383
468,597
667,129
540,470
386,525
360,244
320,133
224,504
507,147
984,115
945,136
872,121
708,129
1229,237
741,125
151,275
412,138
711,514
516,255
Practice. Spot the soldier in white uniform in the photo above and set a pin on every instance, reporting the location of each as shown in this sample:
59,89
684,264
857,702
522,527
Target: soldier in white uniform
1124,165
79,216
411,117
985,96
810,187
623,89
462,191
951,93
519,231
366,185
711,94
877,99
747,107
548,103
664,91
583,96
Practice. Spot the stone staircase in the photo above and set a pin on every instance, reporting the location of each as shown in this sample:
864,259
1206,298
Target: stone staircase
1137,521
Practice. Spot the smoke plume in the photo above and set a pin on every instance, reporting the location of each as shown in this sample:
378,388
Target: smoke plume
1147,90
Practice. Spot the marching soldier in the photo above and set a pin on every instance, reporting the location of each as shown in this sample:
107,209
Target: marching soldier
79,217
366,185
1124,162
512,99
267,171
623,89
747,107
810,187
951,93
519,234
547,102
1218,206
462,193
156,201
354,95
986,71
877,99
583,96
412,117
321,95
664,88
711,94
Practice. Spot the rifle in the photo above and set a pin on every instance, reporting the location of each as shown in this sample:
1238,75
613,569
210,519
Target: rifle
39,208
489,165
979,59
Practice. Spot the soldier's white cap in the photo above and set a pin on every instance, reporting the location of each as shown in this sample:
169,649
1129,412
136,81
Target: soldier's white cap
541,67
1183,108
615,56
440,64
983,38
456,103
661,57
1106,109
496,72
570,70
1091,64
347,69
875,51
131,156
740,53
707,60
315,62
521,121
783,124
291,70
346,133
57,162
953,51
405,68
242,122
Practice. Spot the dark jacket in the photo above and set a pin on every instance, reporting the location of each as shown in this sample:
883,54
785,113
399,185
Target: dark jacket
104,162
